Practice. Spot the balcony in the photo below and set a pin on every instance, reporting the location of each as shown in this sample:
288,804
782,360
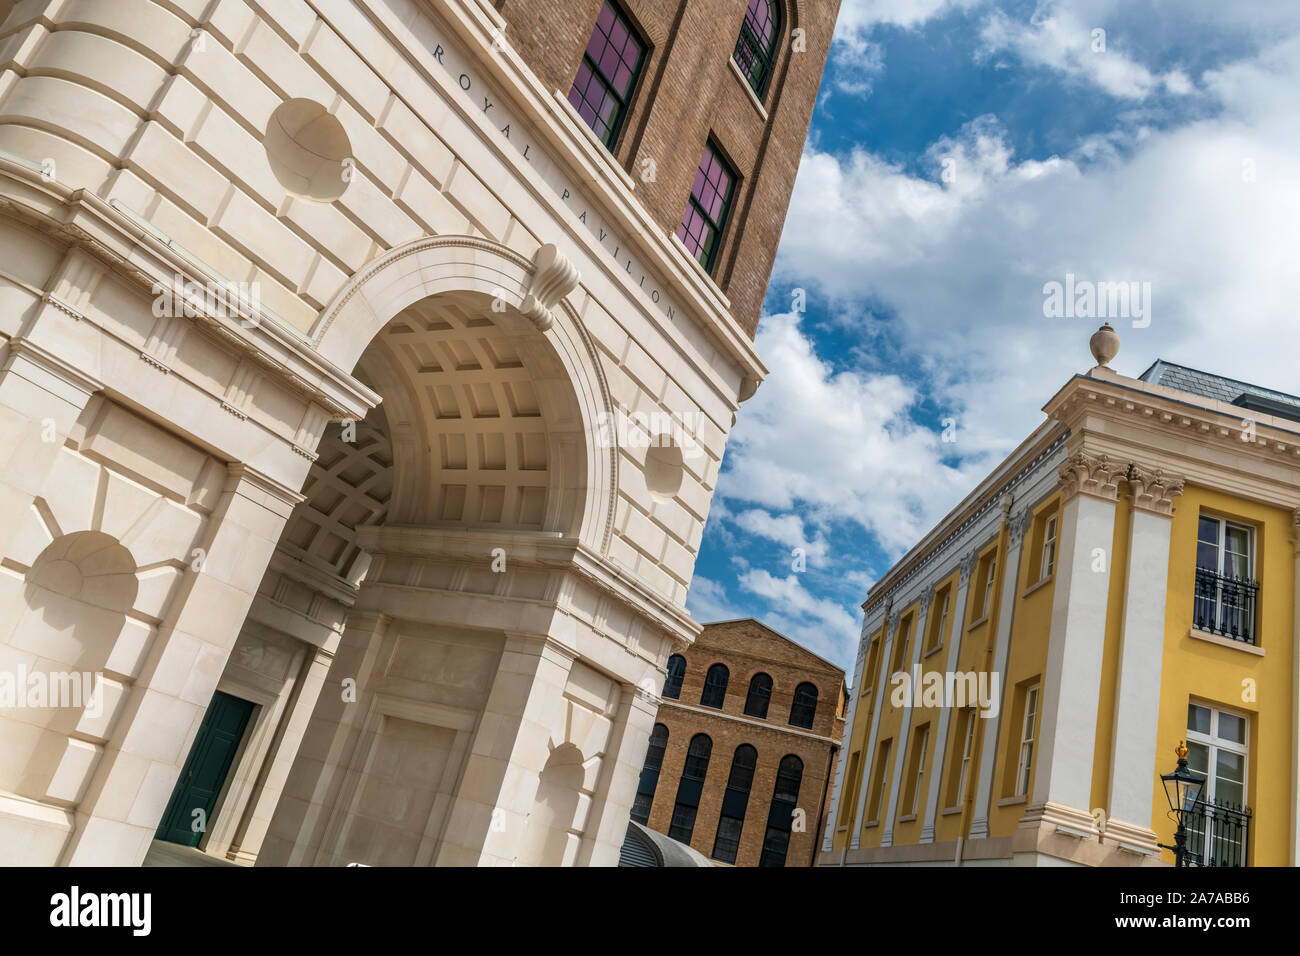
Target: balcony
1225,605
1220,836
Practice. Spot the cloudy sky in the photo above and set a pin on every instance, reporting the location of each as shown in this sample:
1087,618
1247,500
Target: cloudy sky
963,154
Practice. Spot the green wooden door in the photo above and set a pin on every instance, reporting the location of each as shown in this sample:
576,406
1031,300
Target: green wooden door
205,770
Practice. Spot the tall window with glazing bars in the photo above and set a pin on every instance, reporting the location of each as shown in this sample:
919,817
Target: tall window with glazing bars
756,46
602,89
706,212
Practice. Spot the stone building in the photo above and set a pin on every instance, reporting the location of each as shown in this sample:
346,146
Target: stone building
743,750
366,370
1124,583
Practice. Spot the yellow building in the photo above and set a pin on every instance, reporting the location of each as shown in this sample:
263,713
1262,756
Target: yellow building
1125,580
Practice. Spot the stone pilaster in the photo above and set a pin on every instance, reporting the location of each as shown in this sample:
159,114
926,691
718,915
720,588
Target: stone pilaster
1142,640
990,726
1062,784
957,621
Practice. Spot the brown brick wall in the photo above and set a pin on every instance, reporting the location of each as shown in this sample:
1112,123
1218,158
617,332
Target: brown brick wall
747,648
686,92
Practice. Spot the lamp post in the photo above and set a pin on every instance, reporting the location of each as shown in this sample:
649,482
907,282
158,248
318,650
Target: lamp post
1183,790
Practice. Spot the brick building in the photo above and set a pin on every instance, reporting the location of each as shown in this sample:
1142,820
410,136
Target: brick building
743,748
366,368
684,95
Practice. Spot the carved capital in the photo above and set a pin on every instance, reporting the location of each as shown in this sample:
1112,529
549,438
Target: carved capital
1018,525
554,277
1152,490
893,625
1094,475
968,562
926,597
1295,530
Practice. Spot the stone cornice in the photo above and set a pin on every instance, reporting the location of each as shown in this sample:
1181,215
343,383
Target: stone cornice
132,248
532,550
1045,442
1199,441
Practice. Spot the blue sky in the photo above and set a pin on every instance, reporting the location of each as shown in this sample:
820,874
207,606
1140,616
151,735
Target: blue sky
964,153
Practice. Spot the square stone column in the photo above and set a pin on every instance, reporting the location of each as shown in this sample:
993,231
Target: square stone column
116,820
1058,815
509,752
620,772
1142,644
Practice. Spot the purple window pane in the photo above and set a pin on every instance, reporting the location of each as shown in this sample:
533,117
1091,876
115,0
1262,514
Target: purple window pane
606,18
622,79
575,98
595,45
608,62
618,37
699,183
760,16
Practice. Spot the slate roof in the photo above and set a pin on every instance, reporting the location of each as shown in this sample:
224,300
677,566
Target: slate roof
1222,389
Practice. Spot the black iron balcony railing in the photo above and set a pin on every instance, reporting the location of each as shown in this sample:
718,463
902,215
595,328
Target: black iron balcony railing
1225,605
1219,835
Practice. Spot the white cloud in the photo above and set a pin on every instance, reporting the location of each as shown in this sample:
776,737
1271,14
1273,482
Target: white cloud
963,265
708,602
823,626
1058,39
786,529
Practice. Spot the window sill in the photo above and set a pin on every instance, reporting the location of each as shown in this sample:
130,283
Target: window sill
974,624
842,829
910,818
1225,642
1013,801
605,154
1043,582
700,270
870,823
934,650
753,97
949,811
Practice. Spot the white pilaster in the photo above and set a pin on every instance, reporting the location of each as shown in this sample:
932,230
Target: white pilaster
1142,641
905,728
1067,730
945,720
989,726
868,757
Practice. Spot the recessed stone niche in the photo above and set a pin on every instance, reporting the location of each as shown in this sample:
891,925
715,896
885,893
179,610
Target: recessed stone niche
308,150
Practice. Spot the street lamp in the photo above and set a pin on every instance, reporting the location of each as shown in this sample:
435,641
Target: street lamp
1183,790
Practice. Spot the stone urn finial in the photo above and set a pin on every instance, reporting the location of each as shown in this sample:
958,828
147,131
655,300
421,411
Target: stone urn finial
1104,344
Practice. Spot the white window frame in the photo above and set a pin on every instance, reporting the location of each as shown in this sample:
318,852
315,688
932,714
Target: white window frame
987,609
1224,524
1213,744
1222,550
1025,758
1047,563
943,621
920,769
968,747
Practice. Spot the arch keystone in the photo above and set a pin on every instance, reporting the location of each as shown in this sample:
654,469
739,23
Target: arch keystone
553,278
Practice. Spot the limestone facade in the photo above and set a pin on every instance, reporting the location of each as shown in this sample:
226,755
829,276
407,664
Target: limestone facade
327,388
